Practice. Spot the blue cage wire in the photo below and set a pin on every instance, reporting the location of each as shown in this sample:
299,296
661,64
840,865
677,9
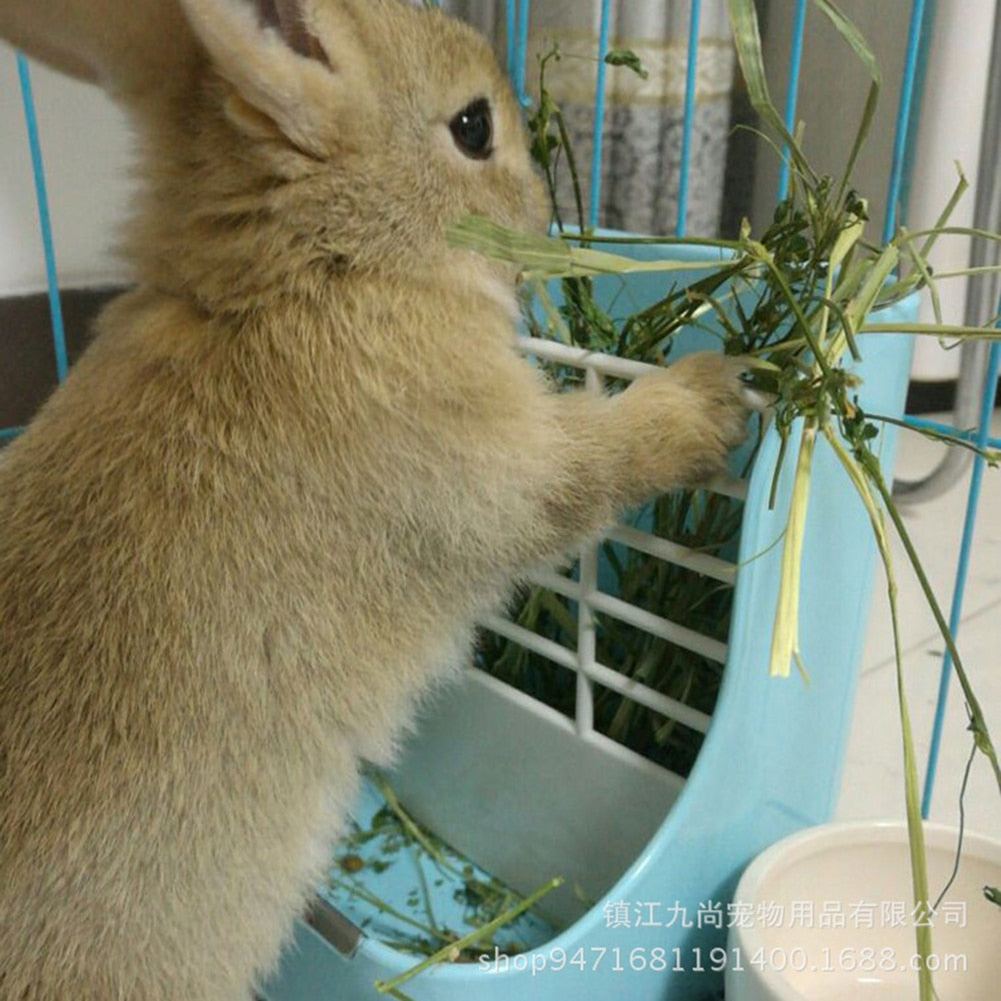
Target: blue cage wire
517,21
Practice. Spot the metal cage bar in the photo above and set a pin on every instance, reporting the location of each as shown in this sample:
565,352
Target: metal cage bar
900,144
44,219
524,18
587,629
792,90
604,33
691,83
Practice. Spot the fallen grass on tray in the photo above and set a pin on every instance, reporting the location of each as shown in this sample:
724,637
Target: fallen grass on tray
793,301
401,883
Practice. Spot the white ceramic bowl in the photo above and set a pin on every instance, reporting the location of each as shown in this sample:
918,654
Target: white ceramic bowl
826,914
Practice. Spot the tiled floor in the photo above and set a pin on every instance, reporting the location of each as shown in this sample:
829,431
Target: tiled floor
873,777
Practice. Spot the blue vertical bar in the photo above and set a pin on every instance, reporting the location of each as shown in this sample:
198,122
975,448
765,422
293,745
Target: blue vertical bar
599,113
521,59
44,219
792,91
691,81
921,77
962,570
512,45
900,150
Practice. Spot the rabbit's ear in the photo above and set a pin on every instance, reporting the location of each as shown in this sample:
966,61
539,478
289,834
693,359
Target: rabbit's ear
270,51
288,18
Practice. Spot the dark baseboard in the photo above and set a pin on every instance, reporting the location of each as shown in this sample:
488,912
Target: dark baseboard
27,357
931,397
937,397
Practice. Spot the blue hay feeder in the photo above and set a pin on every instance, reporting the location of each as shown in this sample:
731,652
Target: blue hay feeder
527,793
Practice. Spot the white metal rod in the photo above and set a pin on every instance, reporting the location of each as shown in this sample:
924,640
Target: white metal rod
672,552
638,692
635,616
608,365
557,582
657,626
598,672
531,641
586,639
603,675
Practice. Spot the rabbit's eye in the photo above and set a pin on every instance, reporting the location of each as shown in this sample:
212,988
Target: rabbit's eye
473,130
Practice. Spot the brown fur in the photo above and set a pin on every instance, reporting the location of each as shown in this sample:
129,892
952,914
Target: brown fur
270,502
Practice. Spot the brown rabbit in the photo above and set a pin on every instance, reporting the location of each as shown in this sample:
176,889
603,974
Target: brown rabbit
296,465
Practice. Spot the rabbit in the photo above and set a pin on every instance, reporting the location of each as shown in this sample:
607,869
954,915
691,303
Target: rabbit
299,461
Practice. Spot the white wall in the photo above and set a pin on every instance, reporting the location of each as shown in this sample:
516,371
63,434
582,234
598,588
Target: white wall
86,143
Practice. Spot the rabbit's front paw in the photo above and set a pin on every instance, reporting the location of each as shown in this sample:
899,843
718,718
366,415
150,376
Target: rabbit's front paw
722,396
693,414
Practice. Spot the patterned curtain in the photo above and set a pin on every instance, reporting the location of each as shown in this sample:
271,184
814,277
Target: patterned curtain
641,156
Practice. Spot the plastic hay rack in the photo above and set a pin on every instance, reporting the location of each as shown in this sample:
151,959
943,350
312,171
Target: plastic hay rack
528,793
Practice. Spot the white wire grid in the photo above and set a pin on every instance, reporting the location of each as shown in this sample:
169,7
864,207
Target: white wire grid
592,601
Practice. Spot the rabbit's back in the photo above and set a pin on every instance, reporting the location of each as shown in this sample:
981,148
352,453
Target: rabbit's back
129,715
